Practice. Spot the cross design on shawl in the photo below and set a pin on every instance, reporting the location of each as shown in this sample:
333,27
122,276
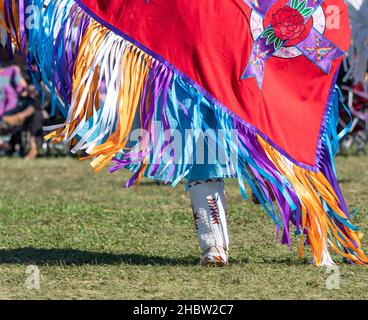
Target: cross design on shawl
289,25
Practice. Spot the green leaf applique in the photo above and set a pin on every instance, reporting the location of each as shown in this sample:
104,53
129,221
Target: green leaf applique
278,43
306,12
294,4
301,6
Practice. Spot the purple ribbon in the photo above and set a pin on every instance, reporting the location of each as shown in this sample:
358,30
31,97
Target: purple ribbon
261,6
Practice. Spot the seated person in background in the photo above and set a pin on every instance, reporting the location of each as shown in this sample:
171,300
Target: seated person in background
28,115
11,84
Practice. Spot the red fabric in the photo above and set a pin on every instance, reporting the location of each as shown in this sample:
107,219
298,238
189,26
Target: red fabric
210,42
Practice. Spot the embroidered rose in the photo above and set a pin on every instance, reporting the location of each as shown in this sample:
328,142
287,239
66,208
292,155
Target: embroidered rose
288,23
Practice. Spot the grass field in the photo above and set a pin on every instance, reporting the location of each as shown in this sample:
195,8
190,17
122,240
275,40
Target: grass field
93,240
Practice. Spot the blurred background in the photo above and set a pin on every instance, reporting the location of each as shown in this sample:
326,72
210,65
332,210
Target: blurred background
24,110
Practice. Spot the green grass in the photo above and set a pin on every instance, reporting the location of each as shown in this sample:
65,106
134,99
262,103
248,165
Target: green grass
92,239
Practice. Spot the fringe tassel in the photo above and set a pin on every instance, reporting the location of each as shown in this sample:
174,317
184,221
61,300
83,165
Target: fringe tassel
81,61
9,22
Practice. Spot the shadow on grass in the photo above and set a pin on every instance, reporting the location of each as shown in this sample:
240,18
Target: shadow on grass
40,256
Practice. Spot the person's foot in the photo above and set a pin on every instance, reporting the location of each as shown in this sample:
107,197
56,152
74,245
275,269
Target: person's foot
33,153
215,257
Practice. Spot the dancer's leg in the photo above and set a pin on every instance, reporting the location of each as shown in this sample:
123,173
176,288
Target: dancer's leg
210,217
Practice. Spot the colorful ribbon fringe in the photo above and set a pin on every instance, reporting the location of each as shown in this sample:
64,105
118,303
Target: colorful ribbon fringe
76,56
